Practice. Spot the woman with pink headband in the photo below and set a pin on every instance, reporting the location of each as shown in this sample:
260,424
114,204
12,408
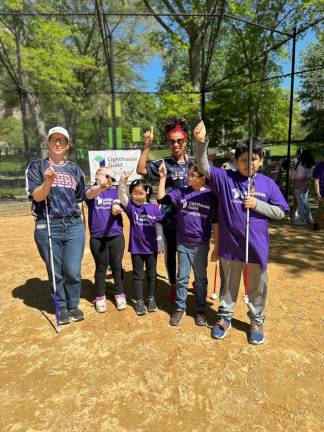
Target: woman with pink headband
176,135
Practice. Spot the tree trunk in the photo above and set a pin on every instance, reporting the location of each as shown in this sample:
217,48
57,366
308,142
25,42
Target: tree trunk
39,123
195,60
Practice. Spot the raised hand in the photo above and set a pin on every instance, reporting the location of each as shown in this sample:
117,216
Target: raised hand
163,170
148,138
127,173
50,174
103,182
199,132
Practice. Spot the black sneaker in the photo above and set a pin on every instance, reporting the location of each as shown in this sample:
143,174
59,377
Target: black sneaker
177,317
140,308
201,319
63,317
76,314
316,226
151,304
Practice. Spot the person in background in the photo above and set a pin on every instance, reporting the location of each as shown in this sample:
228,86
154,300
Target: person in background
318,176
176,137
230,164
61,183
107,241
302,173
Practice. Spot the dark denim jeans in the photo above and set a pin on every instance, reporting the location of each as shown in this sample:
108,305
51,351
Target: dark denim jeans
68,238
197,258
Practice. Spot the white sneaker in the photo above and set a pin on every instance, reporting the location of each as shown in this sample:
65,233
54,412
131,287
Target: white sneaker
120,301
100,304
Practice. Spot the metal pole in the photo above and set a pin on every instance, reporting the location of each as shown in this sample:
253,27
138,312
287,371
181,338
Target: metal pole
113,92
109,55
291,106
22,94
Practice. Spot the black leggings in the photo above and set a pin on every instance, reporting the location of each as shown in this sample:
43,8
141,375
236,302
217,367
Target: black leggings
171,260
138,274
108,251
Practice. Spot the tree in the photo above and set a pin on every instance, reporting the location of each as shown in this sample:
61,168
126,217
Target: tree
193,33
312,89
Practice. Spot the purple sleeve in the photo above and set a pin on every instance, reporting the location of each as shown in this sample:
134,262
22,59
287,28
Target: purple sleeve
216,178
276,197
317,171
175,196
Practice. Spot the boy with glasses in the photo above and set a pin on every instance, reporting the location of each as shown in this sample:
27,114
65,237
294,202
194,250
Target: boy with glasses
196,213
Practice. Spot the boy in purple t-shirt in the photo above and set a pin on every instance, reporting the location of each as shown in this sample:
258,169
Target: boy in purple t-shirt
318,175
196,213
145,237
266,202
107,241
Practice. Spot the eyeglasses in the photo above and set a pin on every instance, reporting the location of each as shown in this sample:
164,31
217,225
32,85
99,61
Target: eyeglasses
191,176
61,141
177,141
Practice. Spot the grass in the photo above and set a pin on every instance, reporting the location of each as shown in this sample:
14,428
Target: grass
11,166
10,192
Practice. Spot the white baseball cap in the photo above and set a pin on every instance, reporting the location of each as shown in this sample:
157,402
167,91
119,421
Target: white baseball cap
60,130
232,151
211,151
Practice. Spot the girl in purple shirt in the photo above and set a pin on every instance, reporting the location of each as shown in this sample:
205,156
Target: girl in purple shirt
145,237
107,242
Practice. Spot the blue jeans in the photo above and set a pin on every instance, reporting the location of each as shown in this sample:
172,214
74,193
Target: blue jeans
68,238
197,258
303,206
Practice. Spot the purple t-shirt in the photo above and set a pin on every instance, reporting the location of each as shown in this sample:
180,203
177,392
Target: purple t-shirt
143,219
196,211
318,173
102,223
230,188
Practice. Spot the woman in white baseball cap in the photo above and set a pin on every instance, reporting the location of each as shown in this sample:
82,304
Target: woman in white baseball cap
56,187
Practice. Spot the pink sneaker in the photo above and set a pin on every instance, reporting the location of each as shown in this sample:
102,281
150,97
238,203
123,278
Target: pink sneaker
100,304
121,303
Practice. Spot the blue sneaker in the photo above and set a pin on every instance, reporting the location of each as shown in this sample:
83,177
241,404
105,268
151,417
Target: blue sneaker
256,336
221,328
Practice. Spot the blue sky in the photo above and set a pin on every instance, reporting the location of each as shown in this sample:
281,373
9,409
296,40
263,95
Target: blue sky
153,72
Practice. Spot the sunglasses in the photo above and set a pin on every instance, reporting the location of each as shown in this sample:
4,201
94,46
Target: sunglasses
177,141
108,177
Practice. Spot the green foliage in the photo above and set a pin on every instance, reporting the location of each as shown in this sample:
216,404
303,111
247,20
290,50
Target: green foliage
11,132
312,89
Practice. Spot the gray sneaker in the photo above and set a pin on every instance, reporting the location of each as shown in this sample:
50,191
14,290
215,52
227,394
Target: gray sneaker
140,308
177,317
201,319
76,314
63,317
151,304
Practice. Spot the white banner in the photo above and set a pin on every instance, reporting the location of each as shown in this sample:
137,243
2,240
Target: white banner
119,160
